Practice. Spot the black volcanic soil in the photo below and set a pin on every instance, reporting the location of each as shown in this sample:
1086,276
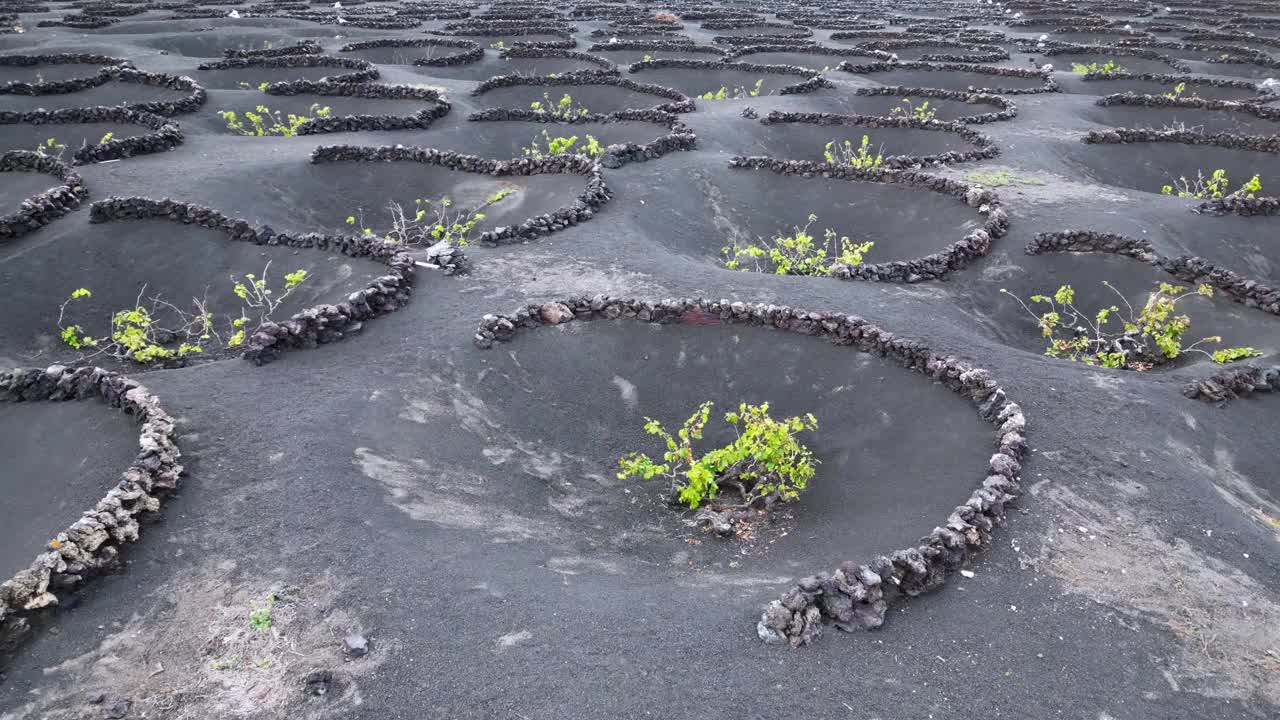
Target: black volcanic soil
458,507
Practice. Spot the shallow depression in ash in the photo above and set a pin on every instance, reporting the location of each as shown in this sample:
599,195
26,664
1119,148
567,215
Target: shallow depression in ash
742,206
307,192
701,80
897,451
120,261
1133,281
111,93
595,98
1148,166
60,458
503,139
808,141
26,136
15,187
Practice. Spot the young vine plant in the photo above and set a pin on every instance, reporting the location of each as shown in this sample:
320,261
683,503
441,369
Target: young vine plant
562,146
432,221
563,109
725,93
844,152
154,329
764,463
1214,187
262,121
1123,338
798,253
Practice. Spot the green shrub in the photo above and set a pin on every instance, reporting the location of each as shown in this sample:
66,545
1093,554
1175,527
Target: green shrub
844,152
260,618
1115,338
154,329
1211,188
799,253
263,121
562,146
764,463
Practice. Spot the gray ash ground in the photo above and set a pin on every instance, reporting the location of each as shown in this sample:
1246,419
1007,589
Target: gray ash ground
456,510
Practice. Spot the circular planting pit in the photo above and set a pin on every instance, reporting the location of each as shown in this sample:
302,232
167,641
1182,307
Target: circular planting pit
36,75
37,190
1239,243
116,261
1091,36
815,58
653,345
26,136
507,139
346,107
1211,117
1207,88
544,195
90,134
698,77
54,73
623,136
215,44
302,47
1065,60
428,52
109,94
922,226
18,186
1009,323
498,41
1243,68
903,142
1147,160
638,36
1187,51
874,420
157,93
250,73
368,187
546,64
938,50
80,459
60,459
945,105
596,93
862,36
779,30
953,76
1219,246
634,51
